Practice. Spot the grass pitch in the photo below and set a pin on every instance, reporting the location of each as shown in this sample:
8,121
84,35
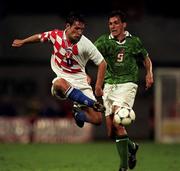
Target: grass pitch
99,156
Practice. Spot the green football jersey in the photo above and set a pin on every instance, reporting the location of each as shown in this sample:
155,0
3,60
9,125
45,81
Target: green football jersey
122,58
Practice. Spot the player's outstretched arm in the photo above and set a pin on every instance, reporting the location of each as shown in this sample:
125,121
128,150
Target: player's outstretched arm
21,42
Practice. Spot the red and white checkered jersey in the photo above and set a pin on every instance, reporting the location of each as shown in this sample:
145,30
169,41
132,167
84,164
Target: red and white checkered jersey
67,57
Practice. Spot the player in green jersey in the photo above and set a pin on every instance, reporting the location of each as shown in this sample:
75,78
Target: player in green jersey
122,52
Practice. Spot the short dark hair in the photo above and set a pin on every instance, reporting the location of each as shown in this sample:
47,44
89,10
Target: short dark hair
119,13
74,16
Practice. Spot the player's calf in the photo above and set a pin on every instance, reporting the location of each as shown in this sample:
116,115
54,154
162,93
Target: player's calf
77,96
78,115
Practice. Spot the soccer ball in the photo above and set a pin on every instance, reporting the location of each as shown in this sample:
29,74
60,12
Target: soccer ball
124,116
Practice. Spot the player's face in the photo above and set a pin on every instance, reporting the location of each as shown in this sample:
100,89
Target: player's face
75,31
116,26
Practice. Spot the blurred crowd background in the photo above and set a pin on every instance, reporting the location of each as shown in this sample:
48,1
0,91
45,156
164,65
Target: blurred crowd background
25,73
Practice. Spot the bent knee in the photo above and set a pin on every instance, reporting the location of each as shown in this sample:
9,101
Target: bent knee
61,84
120,130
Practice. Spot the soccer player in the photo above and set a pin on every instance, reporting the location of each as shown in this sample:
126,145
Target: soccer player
71,52
122,52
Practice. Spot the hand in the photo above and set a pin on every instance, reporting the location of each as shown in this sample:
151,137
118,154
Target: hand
149,80
98,91
17,43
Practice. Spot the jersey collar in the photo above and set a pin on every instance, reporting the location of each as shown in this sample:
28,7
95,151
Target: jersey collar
127,34
64,34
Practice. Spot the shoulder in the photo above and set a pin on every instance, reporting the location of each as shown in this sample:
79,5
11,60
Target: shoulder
103,37
57,32
53,32
85,43
84,39
134,38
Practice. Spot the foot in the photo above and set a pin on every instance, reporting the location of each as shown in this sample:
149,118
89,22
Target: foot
98,107
132,157
76,110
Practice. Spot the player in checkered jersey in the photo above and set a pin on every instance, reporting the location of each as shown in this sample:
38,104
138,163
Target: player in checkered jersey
71,52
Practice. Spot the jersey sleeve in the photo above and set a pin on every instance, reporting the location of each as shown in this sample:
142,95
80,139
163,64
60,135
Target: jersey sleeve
100,44
96,56
48,36
140,50
92,52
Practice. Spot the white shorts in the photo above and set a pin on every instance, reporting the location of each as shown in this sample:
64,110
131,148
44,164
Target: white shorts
78,81
119,95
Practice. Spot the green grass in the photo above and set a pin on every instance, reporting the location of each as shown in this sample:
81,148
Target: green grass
85,157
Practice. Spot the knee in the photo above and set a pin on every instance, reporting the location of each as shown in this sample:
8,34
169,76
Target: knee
58,93
58,88
120,130
60,84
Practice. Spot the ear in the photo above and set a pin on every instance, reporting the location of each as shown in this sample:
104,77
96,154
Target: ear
124,24
67,25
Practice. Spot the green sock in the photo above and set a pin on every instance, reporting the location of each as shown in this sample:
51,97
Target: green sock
131,145
122,147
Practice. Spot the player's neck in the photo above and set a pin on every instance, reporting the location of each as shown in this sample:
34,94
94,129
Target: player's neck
121,37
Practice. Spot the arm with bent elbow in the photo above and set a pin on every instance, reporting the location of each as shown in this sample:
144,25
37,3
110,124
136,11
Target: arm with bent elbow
100,78
149,73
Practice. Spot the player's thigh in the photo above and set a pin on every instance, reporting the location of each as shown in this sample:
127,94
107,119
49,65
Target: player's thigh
124,94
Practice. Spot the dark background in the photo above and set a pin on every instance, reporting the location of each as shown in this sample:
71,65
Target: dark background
157,23
62,7
25,73
163,8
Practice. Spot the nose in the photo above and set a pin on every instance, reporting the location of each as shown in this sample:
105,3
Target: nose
113,25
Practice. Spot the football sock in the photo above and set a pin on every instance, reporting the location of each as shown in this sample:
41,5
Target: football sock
122,147
131,145
77,96
81,116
